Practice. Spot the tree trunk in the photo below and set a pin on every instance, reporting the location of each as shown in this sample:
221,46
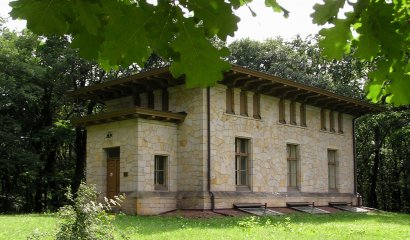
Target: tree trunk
80,150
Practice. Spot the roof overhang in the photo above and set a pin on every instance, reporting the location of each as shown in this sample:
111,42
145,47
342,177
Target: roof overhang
129,113
238,77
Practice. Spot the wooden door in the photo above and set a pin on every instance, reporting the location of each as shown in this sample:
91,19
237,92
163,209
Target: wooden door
113,177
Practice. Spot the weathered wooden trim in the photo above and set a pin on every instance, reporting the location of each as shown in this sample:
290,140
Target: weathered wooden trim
129,113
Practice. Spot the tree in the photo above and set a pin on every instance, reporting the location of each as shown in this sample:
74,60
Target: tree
301,60
383,157
125,32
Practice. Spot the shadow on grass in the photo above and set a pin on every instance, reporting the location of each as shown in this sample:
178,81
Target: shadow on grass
148,225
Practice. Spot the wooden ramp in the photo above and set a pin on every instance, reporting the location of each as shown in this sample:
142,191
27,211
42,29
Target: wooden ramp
257,209
347,207
306,207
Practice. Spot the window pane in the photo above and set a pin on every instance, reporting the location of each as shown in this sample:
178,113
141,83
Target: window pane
332,156
292,172
243,146
160,170
332,176
291,151
332,168
241,161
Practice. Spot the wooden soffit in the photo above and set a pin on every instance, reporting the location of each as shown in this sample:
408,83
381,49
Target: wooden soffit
148,81
129,113
250,80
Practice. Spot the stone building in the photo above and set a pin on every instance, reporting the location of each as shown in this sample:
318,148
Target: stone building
253,137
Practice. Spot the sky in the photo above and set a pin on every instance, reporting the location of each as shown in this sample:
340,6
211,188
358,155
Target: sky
267,24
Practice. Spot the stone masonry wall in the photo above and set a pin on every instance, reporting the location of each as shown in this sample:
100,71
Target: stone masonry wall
139,141
268,139
192,148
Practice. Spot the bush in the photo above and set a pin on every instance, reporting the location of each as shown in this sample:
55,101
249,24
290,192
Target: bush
86,219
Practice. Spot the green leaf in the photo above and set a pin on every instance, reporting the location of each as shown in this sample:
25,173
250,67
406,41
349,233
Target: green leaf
376,86
368,45
327,11
161,29
125,35
43,16
198,59
87,16
217,17
81,40
398,89
336,41
276,7
239,3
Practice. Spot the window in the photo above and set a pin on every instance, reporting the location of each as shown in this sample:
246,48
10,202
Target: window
282,111
340,122
137,100
244,103
292,112
160,173
165,101
256,106
151,100
331,121
230,100
323,119
303,115
331,156
292,159
242,162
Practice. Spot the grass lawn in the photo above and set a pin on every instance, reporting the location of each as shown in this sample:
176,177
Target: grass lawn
293,226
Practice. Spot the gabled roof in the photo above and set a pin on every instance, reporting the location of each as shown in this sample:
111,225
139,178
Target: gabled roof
238,77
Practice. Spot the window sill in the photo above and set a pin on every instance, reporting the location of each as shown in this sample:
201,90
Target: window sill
293,189
243,188
161,188
242,116
333,190
330,132
291,125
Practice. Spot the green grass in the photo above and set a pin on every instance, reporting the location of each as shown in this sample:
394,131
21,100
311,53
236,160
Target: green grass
294,226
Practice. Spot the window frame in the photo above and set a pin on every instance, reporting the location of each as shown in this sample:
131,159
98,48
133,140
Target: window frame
243,101
239,154
230,100
340,122
323,119
282,112
332,121
332,164
303,115
161,186
256,106
165,100
292,112
292,160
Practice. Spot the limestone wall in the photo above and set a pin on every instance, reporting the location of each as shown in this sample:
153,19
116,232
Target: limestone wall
124,135
268,139
192,145
139,141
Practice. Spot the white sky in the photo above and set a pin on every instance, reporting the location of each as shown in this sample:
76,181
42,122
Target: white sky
267,24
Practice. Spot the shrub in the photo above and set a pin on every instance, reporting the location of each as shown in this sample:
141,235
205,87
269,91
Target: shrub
86,219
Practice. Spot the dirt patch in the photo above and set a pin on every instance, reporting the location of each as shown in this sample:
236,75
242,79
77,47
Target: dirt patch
232,212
